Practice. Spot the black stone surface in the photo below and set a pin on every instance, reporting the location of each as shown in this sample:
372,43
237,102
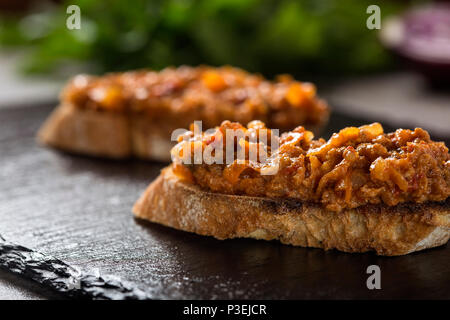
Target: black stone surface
78,210
62,278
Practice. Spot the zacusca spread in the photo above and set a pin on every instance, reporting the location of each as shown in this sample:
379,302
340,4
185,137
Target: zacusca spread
180,96
356,166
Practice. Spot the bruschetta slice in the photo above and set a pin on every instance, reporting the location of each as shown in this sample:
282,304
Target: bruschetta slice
362,190
135,113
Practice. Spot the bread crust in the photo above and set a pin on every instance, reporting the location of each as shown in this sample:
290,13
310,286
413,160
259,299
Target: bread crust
104,134
388,231
150,140
89,132
109,134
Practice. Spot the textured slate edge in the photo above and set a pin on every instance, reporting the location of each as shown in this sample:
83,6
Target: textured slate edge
63,278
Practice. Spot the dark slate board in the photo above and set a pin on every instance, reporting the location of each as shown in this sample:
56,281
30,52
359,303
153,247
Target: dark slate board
78,209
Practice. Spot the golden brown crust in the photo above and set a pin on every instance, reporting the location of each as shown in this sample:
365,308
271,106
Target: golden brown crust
150,140
82,130
387,230
85,131
104,134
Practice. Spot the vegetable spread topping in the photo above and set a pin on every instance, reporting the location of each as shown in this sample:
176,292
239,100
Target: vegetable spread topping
356,166
182,95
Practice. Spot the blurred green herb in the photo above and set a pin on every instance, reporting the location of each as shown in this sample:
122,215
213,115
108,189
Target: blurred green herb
268,36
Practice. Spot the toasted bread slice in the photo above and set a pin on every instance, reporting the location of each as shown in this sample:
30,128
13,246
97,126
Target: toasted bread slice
389,231
108,134
150,140
104,134
89,132
144,107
